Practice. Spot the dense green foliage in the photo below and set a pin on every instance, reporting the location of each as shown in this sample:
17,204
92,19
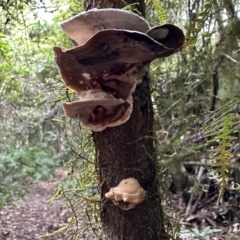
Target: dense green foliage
21,168
30,88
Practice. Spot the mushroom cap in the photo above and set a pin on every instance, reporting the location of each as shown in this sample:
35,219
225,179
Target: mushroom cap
105,53
89,100
83,26
129,185
114,50
168,35
128,194
98,110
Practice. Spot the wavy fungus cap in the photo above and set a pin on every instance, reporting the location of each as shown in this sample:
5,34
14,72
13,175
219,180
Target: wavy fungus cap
128,194
83,26
113,52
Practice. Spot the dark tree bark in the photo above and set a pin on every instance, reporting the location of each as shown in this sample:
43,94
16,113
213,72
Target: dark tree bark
128,151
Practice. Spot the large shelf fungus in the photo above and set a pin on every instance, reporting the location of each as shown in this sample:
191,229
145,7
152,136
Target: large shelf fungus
128,194
97,108
110,57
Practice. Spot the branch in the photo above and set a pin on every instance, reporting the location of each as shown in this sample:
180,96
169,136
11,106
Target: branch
190,155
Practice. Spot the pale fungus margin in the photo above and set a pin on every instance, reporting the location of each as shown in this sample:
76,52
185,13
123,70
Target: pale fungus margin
128,194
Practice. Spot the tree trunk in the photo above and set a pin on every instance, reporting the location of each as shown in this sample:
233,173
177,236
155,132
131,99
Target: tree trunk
128,151
140,6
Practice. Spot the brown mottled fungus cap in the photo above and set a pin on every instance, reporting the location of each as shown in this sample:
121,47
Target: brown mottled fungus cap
111,58
168,35
97,108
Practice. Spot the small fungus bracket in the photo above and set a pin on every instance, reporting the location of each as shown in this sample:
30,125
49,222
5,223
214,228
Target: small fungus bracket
128,194
112,50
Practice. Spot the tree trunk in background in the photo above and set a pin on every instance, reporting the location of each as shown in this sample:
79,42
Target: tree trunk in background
89,4
226,51
128,151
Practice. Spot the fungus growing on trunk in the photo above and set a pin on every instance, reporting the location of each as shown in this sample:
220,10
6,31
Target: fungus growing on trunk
128,194
114,49
83,26
96,107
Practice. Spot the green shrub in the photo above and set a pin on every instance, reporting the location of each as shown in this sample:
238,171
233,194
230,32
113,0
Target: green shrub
20,168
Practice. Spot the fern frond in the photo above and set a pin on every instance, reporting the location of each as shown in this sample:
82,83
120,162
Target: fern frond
159,9
221,164
220,125
132,7
213,124
198,23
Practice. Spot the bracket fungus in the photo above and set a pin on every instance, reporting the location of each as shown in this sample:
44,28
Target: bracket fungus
112,50
128,194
